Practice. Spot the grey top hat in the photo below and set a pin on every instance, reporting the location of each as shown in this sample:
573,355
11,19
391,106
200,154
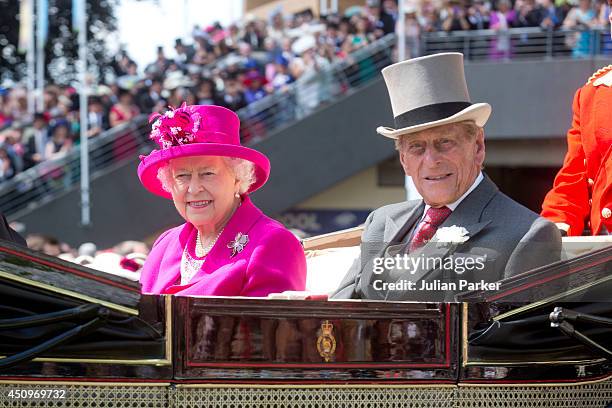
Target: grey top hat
430,91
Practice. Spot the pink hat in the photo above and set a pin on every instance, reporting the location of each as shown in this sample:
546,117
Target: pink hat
253,76
197,130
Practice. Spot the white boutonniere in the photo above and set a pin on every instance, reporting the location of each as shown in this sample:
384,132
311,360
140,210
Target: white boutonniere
451,235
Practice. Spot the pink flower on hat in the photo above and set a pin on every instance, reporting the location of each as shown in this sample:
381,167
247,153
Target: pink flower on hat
175,127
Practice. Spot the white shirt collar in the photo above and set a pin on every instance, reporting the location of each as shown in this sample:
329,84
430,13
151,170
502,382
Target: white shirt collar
454,205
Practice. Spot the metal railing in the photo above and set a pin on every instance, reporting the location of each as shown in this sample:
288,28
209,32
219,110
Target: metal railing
518,43
50,179
315,89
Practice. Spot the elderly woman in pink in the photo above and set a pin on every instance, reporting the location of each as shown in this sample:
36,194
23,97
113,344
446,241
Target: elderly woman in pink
227,246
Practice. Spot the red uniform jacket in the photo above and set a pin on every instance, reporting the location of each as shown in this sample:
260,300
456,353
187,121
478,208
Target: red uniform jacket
582,192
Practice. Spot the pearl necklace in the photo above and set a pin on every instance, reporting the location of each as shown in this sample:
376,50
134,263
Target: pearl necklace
190,266
202,251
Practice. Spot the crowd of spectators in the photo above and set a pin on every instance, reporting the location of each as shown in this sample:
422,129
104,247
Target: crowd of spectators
500,15
124,259
238,65
27,140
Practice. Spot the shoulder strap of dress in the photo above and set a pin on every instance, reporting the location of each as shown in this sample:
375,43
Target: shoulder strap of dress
599,73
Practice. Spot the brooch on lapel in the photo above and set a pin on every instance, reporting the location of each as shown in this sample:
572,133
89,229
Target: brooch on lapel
238,244
451,235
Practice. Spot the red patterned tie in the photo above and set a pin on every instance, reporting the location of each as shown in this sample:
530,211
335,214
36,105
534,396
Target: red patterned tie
434,217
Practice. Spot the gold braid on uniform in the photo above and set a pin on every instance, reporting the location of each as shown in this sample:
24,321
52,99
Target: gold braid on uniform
599,73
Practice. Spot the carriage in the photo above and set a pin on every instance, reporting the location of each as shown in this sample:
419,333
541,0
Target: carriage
71,336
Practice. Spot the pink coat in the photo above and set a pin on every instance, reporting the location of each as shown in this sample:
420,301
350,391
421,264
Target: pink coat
272,261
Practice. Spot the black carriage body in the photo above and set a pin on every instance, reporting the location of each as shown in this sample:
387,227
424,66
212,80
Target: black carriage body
485,341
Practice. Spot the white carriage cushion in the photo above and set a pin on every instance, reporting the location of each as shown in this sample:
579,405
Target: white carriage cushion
327,267
576,246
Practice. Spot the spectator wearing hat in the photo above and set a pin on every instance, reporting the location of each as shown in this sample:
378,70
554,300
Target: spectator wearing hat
345,29
161,63
120,65
184,53
50,102
233,97
281,77
97,121
253,36
131,78
226,247
60,142
331,37
35,140
580,201
279,85
388,16
439,136
202,55
254,87
313,78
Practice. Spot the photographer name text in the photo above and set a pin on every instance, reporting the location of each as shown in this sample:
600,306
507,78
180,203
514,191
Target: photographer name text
434,285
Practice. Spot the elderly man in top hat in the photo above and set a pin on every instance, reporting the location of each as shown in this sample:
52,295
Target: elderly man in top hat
464,231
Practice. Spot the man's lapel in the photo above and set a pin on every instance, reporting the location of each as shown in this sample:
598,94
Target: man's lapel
393,233
470,209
